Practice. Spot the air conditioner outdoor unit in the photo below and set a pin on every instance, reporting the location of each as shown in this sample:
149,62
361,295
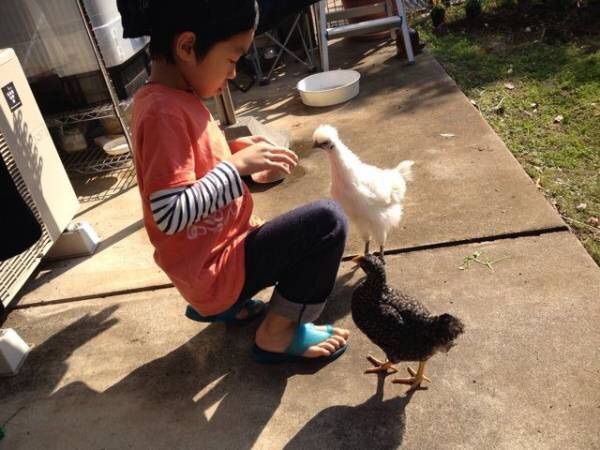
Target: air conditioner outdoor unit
36,170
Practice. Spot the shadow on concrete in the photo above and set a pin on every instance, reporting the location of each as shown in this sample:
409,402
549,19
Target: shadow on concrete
280,98
47,364
373,424
385,79
206,393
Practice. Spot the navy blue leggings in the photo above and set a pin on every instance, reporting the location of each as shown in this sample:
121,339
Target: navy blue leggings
299,252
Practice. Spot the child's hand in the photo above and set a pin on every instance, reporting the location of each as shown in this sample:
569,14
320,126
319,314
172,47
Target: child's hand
241,143
261,156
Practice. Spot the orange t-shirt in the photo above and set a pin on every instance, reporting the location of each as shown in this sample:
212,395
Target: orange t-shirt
176,143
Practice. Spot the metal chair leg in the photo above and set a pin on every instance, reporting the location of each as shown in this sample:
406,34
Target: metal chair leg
262,80
322,20
405,33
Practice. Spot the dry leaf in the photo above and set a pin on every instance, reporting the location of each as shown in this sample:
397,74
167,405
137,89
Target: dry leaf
499,109
581,206
558,119
509,86
447,135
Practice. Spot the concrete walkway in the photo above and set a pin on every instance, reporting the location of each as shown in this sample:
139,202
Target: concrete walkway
129,371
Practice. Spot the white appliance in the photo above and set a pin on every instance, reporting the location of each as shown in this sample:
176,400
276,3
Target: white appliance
34,165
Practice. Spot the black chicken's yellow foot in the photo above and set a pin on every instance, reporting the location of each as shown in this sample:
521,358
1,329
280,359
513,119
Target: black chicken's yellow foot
416,379
414,373
380,366
413,381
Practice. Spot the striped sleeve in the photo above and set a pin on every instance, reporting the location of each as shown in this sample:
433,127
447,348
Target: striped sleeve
177,208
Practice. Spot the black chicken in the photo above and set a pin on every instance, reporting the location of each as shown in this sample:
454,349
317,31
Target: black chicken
401,326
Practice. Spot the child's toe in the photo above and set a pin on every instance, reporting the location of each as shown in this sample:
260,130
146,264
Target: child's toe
341,332
316,351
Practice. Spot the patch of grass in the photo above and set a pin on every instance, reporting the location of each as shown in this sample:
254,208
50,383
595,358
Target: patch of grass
550,78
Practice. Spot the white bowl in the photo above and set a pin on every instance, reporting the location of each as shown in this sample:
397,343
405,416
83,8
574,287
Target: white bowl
329,88
116,147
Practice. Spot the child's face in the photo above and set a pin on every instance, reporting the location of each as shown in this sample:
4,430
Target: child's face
208,75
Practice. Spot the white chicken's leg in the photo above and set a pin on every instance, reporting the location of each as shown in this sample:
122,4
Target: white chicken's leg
381,240
380,366
417,377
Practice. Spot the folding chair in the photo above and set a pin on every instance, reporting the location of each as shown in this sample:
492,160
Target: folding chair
395,18
297,26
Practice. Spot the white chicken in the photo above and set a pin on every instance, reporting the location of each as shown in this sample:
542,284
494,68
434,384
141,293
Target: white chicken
371,197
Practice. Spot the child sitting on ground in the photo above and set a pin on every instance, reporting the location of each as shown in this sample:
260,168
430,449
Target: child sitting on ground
198,211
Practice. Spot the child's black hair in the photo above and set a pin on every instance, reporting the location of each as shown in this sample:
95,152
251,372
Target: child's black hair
212,21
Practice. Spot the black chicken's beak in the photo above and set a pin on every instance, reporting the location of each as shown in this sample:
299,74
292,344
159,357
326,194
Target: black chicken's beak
357,259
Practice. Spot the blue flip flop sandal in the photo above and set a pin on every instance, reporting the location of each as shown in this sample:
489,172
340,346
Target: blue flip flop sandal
306,336
255,309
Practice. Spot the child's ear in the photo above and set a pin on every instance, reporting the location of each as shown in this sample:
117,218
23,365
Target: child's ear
184,46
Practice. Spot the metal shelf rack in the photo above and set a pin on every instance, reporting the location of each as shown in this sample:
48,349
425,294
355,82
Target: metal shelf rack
87,166
101,186
85,115
93,164
94,160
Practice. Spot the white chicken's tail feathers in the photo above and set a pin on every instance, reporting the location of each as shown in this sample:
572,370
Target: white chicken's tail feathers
405,169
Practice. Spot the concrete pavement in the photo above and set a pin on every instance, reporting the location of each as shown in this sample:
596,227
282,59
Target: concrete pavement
130,371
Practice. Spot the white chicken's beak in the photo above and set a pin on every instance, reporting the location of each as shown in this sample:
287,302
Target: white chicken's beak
323,145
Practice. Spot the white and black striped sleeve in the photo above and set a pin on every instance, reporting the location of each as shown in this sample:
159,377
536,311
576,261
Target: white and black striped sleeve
177,208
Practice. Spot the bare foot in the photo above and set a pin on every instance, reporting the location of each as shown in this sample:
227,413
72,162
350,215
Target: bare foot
275,334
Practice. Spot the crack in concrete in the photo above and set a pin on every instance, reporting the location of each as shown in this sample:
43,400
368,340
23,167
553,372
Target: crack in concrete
99,295
470,241
418,248
13,416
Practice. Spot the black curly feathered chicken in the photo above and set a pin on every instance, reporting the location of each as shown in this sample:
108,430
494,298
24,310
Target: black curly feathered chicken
400,325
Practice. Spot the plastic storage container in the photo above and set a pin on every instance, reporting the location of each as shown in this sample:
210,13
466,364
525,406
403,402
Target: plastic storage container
49,36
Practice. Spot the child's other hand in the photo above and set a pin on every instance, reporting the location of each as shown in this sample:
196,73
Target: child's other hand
241,143
262,156
269,176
